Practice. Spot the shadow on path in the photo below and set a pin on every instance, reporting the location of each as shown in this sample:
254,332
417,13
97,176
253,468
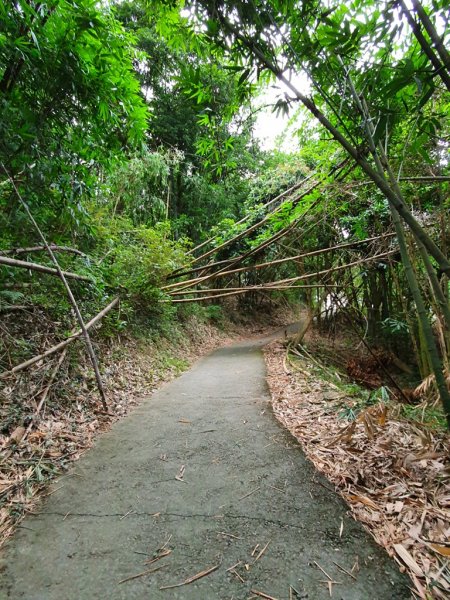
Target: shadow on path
246,482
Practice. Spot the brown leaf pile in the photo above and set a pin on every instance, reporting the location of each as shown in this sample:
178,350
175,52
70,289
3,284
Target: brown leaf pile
393,473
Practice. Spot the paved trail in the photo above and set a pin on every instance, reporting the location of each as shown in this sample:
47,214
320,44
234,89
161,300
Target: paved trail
246,482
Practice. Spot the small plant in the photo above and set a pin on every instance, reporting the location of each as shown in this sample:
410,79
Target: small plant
394,327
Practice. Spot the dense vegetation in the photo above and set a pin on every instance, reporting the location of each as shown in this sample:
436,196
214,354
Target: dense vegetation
127,132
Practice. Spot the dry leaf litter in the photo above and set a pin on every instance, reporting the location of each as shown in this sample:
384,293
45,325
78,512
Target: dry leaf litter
393,473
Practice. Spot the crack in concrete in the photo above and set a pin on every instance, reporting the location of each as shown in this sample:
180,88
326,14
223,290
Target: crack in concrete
167,514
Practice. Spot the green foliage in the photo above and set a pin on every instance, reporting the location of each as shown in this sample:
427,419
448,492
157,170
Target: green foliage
140,259
69,103
394,327
138,188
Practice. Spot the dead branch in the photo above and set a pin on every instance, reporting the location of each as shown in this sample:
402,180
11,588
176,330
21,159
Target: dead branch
191,579
73,302
23,264
62,344
54,247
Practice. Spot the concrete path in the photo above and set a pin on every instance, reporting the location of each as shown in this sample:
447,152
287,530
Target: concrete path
246,482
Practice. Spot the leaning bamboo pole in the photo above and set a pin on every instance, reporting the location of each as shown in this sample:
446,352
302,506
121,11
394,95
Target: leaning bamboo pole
290,190
72,300
61,345
276,237
252,228
278,261
54,247
24,264
281,283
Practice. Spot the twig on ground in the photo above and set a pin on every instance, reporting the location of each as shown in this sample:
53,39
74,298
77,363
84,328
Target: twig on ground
147,572
262,552
263,595
160,555
250,493
191,579
229,535
344,570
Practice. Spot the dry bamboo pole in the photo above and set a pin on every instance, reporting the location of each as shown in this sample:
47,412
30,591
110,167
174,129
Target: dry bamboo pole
264,244
259,248
267,217
238,289
61,345
54,247
206,267
235,293
23,264
256,250
278,261
284,282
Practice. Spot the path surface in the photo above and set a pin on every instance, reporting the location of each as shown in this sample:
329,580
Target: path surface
246,482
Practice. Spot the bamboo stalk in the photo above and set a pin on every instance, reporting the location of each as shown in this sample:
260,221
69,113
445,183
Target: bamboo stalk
427,49
256,287
249,230
70,295
293,188
62,344
434,36
277,236
54,247
354,152
383,167
252,228
23,264
276,285
277,261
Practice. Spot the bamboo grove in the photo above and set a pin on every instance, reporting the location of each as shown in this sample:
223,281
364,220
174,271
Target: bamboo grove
128,158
